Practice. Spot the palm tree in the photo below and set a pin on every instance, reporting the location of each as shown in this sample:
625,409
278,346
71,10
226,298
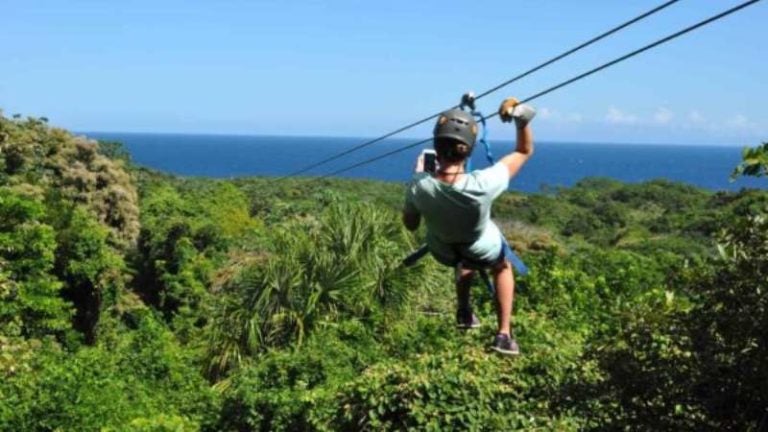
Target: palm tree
344,266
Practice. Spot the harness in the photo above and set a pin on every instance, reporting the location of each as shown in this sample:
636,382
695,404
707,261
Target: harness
468,101
514,259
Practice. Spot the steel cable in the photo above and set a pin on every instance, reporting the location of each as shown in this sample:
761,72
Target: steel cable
571,80
489,91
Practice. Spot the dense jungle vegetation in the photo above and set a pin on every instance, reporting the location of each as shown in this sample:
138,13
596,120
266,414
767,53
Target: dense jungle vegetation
131,300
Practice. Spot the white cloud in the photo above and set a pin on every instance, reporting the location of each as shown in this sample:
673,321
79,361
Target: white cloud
548,114
738,126
663,116
739,121
662,122
616,116
574,118
695,117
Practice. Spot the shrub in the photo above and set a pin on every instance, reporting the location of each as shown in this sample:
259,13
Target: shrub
31,306
131,384
345,265
37,155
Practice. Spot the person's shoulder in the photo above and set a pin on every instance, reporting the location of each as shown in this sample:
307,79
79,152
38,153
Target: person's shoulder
491,179
420,181
496,170
421,176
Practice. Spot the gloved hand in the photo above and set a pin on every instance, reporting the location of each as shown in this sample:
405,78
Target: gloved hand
506,108
511,109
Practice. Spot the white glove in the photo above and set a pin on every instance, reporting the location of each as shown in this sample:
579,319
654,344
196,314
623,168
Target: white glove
523,114
511,109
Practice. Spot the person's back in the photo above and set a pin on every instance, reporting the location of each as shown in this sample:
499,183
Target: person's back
456,207
458,215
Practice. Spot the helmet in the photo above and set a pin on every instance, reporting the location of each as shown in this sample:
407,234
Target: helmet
457,124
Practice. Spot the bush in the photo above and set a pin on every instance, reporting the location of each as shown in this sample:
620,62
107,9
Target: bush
344,265
31,305
144,376
92,271
54,162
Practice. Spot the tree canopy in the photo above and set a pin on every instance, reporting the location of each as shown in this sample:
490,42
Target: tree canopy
136,300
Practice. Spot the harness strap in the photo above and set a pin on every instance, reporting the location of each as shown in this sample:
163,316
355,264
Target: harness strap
484,137
483,140
415,256
488,282
506,251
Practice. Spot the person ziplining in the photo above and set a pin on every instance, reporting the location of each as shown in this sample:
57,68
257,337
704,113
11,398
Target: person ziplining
455,202
456,207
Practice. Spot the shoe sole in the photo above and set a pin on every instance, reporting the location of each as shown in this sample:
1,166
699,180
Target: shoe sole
468,327
506,352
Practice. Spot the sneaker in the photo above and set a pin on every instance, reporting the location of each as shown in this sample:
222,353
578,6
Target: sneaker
466,320
505,344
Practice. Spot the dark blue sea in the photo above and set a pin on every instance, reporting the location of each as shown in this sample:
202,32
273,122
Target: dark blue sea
554,164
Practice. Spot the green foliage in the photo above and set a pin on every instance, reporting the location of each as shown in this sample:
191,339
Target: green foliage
345,265
186,231
347,378
92,271
728,328
705,356
42,160
143,382
274,202
295,385
460,390
640,217
160,423
31,303
255,305
754,163
589,288
114,150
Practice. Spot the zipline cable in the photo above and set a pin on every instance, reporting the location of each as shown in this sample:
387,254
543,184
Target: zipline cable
487,92
569,81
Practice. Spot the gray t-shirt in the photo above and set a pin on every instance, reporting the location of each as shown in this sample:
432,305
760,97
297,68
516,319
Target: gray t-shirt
458,216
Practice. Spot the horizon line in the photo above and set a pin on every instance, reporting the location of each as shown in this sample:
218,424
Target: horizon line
405,138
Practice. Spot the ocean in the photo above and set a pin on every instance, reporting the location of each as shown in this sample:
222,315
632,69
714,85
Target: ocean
554,164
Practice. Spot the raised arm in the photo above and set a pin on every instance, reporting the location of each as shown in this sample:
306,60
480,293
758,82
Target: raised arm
511,110
411,215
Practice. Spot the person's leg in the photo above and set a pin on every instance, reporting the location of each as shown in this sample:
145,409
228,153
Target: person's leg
465,319
504,280
504,342
464,278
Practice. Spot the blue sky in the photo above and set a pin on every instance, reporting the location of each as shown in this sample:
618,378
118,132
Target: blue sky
361,68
